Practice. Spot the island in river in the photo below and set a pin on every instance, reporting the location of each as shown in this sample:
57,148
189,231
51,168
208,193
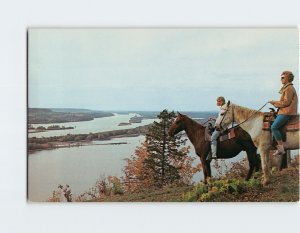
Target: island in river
71,140
39,129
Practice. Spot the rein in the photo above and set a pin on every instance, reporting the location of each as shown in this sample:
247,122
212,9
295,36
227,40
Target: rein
204,122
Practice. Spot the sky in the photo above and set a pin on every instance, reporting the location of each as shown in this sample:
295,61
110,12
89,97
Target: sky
182,69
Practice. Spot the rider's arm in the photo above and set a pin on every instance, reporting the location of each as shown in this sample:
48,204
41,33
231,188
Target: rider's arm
286,100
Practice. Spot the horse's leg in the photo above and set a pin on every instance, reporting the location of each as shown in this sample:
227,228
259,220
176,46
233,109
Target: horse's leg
283,161
253,159
208,168
257,162
251,155
265,163
205,167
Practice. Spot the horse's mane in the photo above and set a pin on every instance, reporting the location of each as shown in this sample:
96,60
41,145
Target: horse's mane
246,112
195,123
193,129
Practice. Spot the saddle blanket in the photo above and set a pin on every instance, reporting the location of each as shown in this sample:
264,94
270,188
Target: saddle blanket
226,135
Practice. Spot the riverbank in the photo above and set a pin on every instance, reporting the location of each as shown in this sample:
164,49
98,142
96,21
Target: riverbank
75,140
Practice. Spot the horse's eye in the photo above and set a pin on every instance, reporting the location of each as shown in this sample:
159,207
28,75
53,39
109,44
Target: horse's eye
222,114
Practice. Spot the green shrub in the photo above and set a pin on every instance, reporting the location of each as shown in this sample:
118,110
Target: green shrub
216,188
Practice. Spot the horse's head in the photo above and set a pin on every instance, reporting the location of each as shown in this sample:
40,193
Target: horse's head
225,117
178,125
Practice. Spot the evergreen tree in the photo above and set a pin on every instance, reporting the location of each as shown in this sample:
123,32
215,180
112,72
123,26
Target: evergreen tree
164,153
160,160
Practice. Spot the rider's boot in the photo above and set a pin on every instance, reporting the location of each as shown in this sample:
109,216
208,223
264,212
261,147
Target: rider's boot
209,156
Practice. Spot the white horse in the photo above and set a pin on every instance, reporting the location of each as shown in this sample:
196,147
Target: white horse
252,122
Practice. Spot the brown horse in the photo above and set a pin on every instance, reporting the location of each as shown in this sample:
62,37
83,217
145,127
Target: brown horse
226,149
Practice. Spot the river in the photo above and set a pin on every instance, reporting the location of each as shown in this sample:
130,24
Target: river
102,124
79,167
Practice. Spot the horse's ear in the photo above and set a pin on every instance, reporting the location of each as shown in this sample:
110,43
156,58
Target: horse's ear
179,114
228,103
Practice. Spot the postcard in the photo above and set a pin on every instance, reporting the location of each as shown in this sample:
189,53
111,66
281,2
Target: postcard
163,115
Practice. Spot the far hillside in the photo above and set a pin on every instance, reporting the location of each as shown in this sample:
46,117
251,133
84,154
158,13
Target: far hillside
62,115
153,114
74,110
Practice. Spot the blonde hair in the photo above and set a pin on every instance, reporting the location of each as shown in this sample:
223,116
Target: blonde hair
221,98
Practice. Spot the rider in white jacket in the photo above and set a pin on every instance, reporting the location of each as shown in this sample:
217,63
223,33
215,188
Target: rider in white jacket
214,137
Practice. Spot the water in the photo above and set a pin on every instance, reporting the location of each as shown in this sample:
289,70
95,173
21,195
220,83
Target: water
97,125
79,167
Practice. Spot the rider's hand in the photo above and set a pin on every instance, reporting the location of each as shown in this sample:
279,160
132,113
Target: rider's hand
272,102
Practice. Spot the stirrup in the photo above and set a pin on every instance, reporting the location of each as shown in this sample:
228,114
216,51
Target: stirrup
209,156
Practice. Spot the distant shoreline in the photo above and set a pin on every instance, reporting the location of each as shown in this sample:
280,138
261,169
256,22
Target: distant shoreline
60,145
52,115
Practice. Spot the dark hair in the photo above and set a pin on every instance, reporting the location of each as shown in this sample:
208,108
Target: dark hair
289,74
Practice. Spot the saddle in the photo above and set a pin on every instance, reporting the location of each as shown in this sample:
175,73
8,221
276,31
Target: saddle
225,135
292,124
